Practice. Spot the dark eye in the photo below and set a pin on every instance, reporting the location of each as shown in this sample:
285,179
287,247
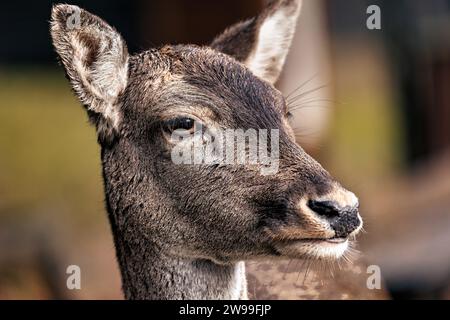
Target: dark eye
178,124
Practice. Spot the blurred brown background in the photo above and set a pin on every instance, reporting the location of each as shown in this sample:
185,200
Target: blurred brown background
373,107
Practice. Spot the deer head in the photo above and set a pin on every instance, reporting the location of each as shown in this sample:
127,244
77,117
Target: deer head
220,213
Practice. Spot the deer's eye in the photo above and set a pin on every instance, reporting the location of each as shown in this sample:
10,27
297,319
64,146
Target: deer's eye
179,124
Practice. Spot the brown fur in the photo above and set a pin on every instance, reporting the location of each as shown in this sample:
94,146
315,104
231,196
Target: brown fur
181,230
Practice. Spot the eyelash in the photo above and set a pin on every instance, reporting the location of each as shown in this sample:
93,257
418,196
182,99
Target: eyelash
183,123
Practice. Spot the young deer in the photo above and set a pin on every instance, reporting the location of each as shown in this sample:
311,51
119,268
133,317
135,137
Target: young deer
183,231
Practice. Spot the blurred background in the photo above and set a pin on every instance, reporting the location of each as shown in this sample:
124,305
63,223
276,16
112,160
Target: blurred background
373,106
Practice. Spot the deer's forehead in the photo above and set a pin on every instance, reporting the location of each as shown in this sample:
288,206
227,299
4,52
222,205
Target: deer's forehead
201,80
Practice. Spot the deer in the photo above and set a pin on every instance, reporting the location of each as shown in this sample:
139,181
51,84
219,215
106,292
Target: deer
185,231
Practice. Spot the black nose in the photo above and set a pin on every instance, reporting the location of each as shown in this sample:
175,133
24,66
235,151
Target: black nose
344,220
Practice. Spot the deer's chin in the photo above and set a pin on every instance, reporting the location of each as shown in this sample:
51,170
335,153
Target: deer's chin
320,249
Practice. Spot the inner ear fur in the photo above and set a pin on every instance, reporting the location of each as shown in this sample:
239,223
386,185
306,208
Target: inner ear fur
262,43
95,59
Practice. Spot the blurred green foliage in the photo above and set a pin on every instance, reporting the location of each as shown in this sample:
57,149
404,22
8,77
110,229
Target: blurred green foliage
49,158
366,139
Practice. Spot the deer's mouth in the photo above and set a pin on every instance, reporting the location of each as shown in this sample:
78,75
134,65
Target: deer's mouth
334,240
317,248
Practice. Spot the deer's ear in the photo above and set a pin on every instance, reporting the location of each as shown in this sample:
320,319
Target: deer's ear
95,58
262,43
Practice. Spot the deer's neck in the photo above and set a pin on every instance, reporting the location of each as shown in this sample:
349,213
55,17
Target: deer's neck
148,270
148,274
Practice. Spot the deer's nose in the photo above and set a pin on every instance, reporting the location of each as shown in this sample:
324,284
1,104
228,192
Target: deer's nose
343,219
327,208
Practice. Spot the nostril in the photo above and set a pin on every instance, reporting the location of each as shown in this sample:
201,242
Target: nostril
328,209
343,220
